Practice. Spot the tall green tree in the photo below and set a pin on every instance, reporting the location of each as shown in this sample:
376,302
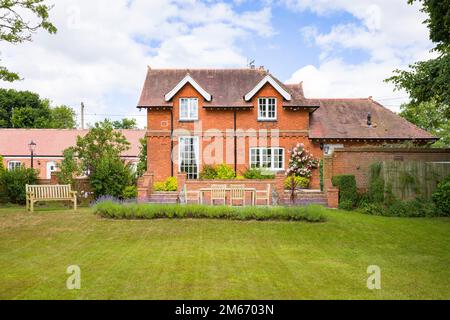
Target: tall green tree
142,164
428,82
25,109
125,123
19,19
63,117
97,154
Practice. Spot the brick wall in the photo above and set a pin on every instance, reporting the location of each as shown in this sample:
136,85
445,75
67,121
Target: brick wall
215,127
357,161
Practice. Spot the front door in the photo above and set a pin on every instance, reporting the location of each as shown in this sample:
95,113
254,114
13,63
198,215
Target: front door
51,167
188,156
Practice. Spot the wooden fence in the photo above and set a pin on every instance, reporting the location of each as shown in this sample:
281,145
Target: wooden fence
409,179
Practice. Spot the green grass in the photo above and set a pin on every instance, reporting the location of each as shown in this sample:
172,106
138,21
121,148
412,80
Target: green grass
221,259
109,209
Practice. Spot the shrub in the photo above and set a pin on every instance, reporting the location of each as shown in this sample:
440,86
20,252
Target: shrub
208,172
258,174
225,172
301,162
376,183
441,196
170,184
348,194
296,182
110,177
130,192
114,210
398,208
14,182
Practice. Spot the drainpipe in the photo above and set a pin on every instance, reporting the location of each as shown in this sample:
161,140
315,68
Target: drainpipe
171,142
235,143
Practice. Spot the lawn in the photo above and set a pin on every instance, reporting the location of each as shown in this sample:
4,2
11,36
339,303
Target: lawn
217,259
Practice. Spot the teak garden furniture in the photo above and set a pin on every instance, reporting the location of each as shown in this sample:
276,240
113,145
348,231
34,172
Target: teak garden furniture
35,193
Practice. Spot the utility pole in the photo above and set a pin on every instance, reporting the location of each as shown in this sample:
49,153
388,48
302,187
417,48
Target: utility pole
82,116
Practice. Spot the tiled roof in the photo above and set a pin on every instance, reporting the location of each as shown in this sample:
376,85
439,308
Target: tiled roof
347,119
52,142
227,86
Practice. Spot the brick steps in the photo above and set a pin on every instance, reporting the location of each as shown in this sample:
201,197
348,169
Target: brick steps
306,197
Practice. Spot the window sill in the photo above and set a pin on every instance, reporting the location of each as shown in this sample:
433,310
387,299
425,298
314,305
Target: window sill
188,120
267,120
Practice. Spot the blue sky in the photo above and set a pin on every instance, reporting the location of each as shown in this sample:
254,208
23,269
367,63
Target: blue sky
338,48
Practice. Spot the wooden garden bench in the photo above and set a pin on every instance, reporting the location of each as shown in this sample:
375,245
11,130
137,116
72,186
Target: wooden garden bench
37,193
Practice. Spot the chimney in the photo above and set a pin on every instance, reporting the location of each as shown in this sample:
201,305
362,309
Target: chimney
369,119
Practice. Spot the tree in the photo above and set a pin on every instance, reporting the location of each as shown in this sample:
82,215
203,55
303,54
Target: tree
29,117
98,156
68,168
438,22
25,109
63,117
11,99
125,124
142,164
428,82
16,26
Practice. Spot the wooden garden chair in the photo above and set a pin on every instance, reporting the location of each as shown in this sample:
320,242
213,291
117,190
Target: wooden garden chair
263,195
237,193
193,196
218,192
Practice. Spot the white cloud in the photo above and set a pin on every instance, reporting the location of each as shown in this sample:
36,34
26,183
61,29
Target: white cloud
102,48
391,33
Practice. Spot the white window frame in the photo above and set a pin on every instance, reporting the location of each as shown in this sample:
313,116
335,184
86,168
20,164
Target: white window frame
189,107
13,164
196,142
272,158
266,117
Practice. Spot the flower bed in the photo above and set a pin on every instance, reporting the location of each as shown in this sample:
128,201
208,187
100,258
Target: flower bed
114,210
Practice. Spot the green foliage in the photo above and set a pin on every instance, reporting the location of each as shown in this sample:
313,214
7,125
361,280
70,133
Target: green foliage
98,156
14,181
348,193
101,141
62,117
438,22
376,183
258,174
428,82
24,109
110,177
125,123
28,117
225,172
208,172
142,164
170,184
68,168
398,208
157,211
296,182
1,164
441,196
18,23
130,192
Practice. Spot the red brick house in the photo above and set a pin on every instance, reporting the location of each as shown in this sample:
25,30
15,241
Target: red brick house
50,144
248,118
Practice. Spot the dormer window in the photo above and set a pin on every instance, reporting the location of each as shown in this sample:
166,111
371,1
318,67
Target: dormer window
267,109
188,109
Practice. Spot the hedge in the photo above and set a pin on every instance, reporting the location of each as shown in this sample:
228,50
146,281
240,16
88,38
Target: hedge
114,210
348,193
